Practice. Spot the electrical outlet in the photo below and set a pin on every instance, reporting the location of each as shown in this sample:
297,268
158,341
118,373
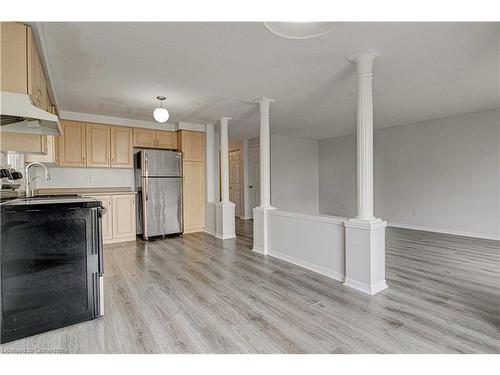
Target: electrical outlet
415,212
344,206
89,179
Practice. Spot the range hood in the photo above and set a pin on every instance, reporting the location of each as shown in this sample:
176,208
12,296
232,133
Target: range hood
19,115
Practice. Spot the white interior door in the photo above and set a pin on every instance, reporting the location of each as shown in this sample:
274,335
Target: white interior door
234,181
254,177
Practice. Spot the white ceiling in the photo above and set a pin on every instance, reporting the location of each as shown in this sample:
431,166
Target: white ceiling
427,70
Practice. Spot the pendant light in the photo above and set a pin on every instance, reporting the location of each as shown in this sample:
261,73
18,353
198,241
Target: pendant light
300,30
161,114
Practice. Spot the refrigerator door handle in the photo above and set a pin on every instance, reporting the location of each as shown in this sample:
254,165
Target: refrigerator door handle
146,174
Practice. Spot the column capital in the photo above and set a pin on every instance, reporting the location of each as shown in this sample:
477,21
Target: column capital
224,120
364,61
264,104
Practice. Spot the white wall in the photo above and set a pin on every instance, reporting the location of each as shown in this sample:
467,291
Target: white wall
294,174
441,174
65,177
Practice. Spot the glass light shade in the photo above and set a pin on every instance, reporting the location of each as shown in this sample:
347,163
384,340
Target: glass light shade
300,30
160,114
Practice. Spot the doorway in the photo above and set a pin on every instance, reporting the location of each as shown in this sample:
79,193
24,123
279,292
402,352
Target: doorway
234,180
254,176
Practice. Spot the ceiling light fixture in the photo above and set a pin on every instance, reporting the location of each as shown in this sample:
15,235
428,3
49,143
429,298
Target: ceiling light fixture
161,114
300,30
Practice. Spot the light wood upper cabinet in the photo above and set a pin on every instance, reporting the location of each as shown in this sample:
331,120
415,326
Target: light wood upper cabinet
71,144
37,84
144,137
123,216
13,57
21,65
166,139
121,147
193,196
155,138
98,140
22,142
191,144
47,158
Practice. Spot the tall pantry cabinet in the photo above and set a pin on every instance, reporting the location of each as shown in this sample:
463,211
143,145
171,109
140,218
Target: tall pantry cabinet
192,145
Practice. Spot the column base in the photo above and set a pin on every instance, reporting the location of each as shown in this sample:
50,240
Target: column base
365,255
260,229
224,220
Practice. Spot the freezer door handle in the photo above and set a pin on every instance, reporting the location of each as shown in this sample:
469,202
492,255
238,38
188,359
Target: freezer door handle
146,174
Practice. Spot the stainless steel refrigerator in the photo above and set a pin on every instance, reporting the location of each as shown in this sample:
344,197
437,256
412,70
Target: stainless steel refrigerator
158,181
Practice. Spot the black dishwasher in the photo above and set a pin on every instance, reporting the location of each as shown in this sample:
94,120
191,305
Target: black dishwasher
51,264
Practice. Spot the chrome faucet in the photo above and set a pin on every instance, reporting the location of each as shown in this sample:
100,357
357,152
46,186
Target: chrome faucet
27,182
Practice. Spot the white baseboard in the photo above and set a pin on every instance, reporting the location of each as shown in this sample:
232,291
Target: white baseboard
258,250
365,288
212,233
311,267
445,231
225,236
118,240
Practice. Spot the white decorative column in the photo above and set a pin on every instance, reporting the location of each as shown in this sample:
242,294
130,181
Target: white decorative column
260,214
225,208
211,180
365,234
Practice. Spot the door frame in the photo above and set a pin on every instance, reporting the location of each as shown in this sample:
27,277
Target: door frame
251,177
241,208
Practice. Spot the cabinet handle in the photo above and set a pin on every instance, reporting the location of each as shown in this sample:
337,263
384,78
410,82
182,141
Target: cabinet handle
83,159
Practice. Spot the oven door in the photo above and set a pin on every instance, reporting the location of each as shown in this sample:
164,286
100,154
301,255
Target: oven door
49,270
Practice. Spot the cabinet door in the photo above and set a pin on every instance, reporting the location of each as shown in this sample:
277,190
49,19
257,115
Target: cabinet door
121,147
13,57
22,142
107,218
48,158
166,139
71,145
193,196
123,211
98,145
144,138
37,86
191,145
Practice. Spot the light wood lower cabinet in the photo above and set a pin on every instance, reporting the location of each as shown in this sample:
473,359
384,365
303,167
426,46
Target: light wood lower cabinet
107,218
123,209
118,223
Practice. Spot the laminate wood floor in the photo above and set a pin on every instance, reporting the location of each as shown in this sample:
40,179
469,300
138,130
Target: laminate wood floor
197,294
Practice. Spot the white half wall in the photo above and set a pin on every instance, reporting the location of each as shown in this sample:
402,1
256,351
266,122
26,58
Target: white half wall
294,174
314,242
441,175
